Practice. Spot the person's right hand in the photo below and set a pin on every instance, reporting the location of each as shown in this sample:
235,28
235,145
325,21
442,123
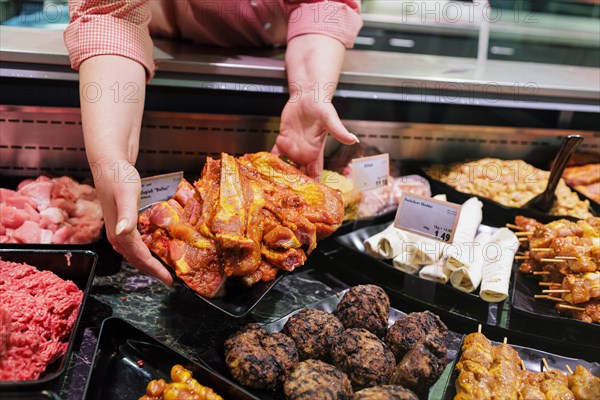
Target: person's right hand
118,186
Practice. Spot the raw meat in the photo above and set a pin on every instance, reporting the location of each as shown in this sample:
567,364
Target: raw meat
40,310
44,210
246,218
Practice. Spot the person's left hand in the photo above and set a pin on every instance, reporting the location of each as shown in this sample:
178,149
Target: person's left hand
303,130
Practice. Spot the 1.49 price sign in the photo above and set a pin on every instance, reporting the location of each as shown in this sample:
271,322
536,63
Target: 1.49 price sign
428,217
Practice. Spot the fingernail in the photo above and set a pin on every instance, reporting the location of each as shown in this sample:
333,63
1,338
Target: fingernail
356,140
121,226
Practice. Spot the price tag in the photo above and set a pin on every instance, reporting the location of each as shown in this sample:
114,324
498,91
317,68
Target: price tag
159,188
435,219
371,172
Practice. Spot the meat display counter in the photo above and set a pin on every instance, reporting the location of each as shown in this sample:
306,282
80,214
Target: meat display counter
450,109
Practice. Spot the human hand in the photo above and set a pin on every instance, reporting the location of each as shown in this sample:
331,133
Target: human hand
303,131
118,186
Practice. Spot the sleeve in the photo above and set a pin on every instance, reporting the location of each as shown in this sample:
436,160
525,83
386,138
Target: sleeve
339,19
117,27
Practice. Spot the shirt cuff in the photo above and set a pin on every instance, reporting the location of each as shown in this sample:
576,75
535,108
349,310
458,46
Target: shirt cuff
333,19
91,36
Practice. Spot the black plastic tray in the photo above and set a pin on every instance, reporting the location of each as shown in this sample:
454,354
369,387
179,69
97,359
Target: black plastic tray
42,395
239,300
80,270
533,362
116,374
216,359
523,302
494,213
430,293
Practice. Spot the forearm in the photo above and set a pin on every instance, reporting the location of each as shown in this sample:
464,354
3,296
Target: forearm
313,64
112,91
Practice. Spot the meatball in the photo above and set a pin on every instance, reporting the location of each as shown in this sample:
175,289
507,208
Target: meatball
313,332
422,365
366,359
408,330
259,360
365,306
386,392
316,380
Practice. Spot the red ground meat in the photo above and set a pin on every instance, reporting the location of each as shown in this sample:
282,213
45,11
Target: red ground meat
5,319
42,310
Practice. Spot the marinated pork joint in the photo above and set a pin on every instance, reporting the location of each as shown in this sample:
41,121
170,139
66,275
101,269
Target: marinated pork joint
316,380
259,360
246,218
365,306
313,331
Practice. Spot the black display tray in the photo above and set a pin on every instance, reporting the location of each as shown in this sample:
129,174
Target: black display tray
239,300
494,213
523,302
532,359
216,360
126,359
41,395
432,294
80,270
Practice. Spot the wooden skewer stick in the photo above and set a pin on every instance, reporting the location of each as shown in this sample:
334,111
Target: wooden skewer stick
548,283
541,249
541,272
521,253
505,341
566,258
569,307
552,260
569,369
515,227
546,364
521,258
546,297
524,234
524,239
523,365
479,328
556,291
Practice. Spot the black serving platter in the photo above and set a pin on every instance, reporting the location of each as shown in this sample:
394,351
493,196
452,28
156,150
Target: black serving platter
126,359
532,359
239,300
429,293
78,267
522,302
216,359
41,395
494,213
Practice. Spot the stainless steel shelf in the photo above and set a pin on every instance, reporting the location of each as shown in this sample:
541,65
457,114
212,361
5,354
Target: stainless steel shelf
41,54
